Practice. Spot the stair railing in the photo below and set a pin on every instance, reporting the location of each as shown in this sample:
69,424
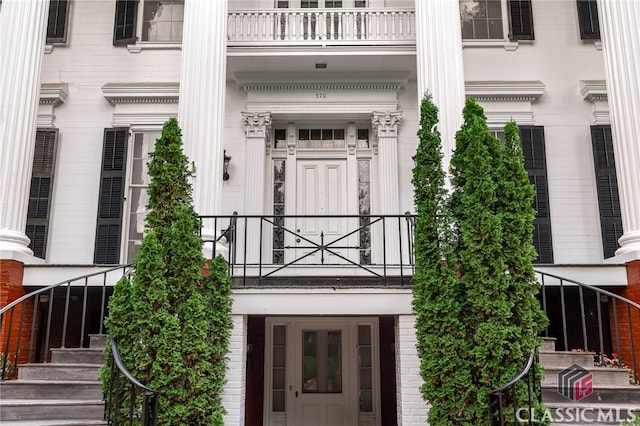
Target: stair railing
127,401
505,403
599,321
30,326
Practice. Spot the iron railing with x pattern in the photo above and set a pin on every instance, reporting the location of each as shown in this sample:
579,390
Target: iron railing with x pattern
271,246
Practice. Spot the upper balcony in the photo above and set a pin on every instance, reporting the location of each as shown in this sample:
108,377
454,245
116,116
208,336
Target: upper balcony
321,27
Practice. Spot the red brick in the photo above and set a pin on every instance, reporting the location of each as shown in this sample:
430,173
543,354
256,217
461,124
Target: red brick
631,292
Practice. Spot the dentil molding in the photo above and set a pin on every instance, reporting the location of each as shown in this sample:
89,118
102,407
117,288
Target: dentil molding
595,91
51,95
504,101
141,93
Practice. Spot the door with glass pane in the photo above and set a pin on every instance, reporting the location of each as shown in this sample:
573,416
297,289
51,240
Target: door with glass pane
322,395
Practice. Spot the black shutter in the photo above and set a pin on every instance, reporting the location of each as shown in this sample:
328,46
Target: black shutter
124,31
536,164
57,23
41,189
520,20
112,186
607,185
588,20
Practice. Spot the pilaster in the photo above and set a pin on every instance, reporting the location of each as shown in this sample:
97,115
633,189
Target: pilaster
202,101
439,65
22,37
257,127
385,126
621,49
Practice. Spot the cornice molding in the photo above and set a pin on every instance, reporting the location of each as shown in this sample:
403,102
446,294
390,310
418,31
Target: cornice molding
53,93
283,87
593,90
505,91
141,93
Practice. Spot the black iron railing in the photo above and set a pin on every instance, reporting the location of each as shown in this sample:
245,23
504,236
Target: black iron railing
58,316
269,246
590,319
127,401
515,402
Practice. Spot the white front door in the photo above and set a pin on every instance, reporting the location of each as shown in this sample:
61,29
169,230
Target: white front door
322,394
322,194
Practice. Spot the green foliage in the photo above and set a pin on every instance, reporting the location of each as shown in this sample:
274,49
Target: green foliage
474,286
171,319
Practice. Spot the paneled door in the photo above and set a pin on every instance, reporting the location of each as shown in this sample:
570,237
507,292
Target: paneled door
321,192
322,394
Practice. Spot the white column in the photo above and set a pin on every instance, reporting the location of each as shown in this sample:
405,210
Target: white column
412,410
621,48
439,65
385,125
256,128
22,39
202,101
234,394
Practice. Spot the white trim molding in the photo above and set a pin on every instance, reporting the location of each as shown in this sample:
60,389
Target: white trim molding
51,95
142,104
595,91
504,101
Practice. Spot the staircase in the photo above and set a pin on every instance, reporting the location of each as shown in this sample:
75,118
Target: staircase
65,392
612,399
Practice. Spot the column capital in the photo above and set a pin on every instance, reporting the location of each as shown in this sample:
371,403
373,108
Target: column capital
386,124
256,124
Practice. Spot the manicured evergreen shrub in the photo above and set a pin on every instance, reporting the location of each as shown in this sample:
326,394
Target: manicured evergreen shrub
171,319
474,286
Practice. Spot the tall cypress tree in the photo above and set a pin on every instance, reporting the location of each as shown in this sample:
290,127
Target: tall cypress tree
474,286
171,319
437,293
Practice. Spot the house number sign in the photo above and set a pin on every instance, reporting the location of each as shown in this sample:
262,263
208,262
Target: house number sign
321,95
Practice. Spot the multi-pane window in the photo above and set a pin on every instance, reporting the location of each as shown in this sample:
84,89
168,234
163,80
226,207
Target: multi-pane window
162,21
278,372
365,367
143,144
57,21
321,138
482,19
278,210
588,19
364,209
488,19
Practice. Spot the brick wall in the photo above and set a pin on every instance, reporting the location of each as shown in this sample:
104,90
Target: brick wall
412,410
233,397
20,327
628,329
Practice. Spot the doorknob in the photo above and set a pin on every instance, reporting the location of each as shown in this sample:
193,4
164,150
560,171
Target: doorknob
297,240
296,394
297,230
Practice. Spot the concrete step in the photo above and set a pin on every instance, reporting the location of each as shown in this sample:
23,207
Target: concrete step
548,344
76,422
97,341
565,359
609,394
50,409
51,389
602,376
591,414
59,371
77,356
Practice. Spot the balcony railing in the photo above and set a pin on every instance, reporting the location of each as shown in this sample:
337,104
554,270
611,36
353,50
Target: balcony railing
321,27
295,246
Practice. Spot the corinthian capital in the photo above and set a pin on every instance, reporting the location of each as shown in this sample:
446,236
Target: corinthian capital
386,123
256,124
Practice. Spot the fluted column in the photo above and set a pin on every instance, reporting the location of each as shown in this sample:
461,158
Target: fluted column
385,125
202,101
256,128
439,65
621,48
22,38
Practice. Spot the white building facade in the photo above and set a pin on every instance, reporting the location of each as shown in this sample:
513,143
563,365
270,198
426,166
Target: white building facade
316,103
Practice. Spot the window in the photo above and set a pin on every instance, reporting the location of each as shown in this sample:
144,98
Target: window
279,176
496,19
321,138
607,185
57,21
588,19
157,21
41,189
